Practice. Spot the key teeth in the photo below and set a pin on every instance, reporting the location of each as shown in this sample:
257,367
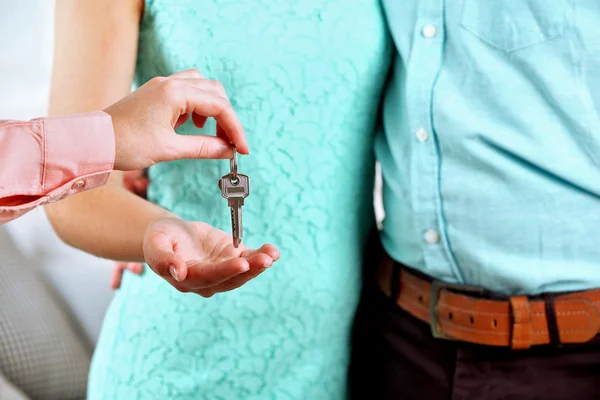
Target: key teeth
236,242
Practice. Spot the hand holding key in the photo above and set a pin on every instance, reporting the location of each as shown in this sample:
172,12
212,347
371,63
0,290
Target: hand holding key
195,257
144,122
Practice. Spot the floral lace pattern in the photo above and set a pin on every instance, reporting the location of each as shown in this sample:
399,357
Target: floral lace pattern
305,77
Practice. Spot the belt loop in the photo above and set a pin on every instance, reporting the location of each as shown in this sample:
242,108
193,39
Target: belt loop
521,323
553,333
395,282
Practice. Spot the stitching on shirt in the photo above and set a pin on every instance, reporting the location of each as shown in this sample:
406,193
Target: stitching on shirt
16,124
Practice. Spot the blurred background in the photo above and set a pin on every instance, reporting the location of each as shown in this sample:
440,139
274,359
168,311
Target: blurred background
25,68
83,281
61,291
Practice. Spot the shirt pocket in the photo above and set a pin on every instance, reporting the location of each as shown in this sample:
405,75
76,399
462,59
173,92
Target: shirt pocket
511,25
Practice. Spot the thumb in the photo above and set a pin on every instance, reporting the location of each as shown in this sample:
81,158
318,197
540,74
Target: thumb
159,254
200,146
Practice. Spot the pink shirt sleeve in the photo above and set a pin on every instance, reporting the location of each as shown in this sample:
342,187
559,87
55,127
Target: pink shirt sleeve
48,159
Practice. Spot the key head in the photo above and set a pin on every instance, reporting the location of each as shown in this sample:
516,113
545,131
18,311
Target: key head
235,189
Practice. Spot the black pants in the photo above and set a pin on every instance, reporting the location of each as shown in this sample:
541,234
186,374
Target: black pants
396,357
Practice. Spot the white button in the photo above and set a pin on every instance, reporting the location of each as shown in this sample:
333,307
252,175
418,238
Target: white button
78,185
432,236
429,31
422,135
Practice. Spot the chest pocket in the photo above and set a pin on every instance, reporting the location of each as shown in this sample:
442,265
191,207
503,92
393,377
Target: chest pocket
512,25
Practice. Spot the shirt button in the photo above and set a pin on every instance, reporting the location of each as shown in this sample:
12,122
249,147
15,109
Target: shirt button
422,135
432,237
78,185
429,31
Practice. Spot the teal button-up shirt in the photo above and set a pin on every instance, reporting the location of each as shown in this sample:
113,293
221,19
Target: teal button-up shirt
490,150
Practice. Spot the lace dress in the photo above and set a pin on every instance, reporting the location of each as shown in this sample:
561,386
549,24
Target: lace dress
305,77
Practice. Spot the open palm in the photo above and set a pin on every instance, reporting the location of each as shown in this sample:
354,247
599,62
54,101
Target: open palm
195,257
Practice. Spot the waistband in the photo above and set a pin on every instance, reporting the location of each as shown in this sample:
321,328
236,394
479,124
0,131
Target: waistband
470,314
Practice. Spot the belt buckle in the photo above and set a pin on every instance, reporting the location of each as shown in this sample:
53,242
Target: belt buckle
436,289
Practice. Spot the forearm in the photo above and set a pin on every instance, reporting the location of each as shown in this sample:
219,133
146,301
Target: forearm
94,62
109,222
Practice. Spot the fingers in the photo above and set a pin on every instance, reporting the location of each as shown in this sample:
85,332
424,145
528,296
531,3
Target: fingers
259,260
233,283
221,133
208,274
214,87
189,146
188,73
267,249
208,104
189,93
117,276
136,268
136,182
119,270
199,120
183,118
209,85
162,259
207,99
208,267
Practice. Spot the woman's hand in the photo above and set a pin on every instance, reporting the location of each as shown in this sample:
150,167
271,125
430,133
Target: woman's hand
195,257
144,122
120,268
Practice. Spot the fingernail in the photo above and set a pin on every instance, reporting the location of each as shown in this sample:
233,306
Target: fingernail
268,263
173,272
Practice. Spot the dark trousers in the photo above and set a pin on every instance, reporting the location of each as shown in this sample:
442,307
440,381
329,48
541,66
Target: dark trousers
395,357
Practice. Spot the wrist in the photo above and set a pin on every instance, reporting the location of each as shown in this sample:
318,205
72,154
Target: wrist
120,163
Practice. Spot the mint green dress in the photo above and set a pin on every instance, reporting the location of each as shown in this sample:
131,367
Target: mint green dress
305,77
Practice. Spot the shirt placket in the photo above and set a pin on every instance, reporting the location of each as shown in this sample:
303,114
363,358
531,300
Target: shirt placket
424,66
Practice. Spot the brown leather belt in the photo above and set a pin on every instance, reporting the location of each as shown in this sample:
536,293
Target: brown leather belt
460,312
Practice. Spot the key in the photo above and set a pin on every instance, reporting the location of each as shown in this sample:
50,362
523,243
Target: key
235,191
235,188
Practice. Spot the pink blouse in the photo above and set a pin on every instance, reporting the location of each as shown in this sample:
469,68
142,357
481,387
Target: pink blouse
47,159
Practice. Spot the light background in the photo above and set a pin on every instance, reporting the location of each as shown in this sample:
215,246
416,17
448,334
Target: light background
26,36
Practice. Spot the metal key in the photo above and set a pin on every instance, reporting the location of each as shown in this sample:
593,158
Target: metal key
235,188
